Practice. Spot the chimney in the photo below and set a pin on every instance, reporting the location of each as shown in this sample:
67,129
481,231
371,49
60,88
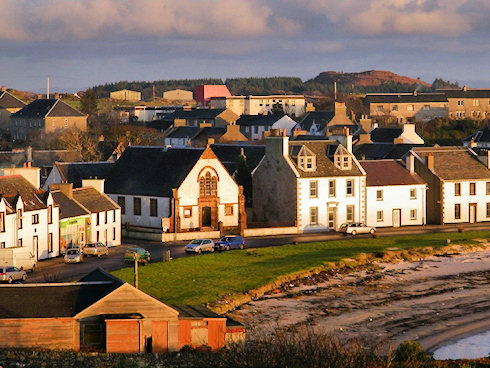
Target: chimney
39,96
415,93
430,161
348,143
465,88
210,141
277,144
340,109
410,163
97,184
65,188
29,154
4,89
203,124
473,143
57,95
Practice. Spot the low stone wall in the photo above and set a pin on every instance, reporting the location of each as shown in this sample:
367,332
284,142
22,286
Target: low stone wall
142,235
169,237
264,231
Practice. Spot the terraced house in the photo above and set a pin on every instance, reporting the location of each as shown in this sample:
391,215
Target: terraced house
9,104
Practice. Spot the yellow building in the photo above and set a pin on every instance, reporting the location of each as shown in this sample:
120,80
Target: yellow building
178,95
468,103
9,104
126,95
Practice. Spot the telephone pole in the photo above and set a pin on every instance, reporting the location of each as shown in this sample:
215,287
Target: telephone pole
136,280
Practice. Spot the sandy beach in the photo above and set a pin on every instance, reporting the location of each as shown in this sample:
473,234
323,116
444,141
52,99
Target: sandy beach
433,301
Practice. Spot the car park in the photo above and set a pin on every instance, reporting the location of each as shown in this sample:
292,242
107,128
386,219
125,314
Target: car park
142,254
73,255
11,273
199,246
229,242
95,249
355,228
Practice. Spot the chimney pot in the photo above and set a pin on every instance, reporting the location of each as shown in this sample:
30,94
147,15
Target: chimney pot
4,89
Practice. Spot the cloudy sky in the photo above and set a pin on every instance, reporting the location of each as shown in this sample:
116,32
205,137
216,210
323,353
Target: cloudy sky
81,43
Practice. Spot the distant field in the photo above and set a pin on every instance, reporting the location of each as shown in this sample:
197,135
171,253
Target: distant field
208,277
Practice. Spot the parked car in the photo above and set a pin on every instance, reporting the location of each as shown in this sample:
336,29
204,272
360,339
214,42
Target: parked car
355,228
11,273
95,249
73,255
200,245
144,255
228,242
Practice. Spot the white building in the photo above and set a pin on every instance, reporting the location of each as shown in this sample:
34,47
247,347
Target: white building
459,184
395,196
28,218
316,185
254,126
176,189
254,105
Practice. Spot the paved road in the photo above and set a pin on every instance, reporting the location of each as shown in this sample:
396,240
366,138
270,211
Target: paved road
54,270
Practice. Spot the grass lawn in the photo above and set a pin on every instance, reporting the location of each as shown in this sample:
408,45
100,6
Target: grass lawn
205,278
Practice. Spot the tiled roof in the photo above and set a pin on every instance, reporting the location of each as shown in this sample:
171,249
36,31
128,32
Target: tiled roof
320,118
325,167
388,172
74,172
151,171
93,200
454,163
406,98
68,208
9,101
385,134
262,120
469,93
13,186
41,108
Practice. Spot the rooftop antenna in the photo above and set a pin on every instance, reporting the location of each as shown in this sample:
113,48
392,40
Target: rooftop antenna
47,87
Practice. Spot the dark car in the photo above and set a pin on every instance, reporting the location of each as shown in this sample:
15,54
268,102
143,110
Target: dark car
228,242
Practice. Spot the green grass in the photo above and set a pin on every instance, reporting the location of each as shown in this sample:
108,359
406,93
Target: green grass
207,278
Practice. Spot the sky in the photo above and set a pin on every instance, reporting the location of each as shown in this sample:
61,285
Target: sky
82,43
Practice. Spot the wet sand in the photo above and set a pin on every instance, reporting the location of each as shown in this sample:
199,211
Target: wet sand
433,301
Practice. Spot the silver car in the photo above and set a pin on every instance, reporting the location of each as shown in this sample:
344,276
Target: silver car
200,245
355,228
73,255
95,249
11,273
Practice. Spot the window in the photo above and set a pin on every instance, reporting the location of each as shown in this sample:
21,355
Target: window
256,130
19,218
460,102
379,216
153,207
472,188
476,102
136,207
229,210
410,107
349,210
331,188
345,162
98,236
50,243
98,218
313,189
113,233
2,222
394,108
426,107
2,245
309,163
187,212
349,190
457,211
208,185
488,209
379,195
35,219
379,108
50,214
121,201
19,242
488,187
105,215
313,215
413,193
457,189
413,214
113,215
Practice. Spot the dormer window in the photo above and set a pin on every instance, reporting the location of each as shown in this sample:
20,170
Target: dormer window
306,159
342,159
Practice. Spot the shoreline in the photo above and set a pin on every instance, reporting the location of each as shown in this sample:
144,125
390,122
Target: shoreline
435,301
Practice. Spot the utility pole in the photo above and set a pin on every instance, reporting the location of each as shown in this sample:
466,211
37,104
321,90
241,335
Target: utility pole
47,88
136,280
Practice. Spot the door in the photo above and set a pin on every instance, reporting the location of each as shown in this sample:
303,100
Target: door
397,214
35,247
159,336
206,217
332,218
472,213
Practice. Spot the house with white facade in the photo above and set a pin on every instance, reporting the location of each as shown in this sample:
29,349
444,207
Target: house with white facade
315,185
294,105
176,190
29,218
255,126
404,134
395,195
459,184
75,172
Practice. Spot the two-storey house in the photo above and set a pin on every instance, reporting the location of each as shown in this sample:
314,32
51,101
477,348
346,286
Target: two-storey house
9,104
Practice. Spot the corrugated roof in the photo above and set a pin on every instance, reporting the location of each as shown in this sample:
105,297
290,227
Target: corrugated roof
388,172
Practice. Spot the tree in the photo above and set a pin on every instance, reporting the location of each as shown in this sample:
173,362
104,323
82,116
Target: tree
83,142
277,109
243,177
89,102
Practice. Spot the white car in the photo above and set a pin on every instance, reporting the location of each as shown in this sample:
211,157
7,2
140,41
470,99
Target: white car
73,255
10,274
355,228
200,245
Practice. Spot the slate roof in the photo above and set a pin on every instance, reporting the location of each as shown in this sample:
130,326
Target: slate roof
160,125
406,98
324,151
13,186
228,155
480,136
182,132
68,208
42,108
195,312
377,151
455,163
385,134
12,159
262,120
9,101
469,93
151,171
74,172
320,118
93,200
308,137
47,158
194,114
388,172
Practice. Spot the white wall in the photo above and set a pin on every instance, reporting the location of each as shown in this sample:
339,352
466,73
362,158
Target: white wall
285,123
395,197
293,105
9,236
163,210
481,199
109,227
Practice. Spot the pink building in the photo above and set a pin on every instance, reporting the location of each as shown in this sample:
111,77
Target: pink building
204,93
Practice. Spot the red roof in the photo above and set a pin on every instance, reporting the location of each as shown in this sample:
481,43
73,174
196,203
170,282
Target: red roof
388,172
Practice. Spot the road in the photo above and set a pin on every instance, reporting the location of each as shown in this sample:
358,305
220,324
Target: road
55,270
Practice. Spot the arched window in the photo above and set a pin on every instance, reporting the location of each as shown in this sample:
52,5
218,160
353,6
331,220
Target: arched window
202,190
213,185
208,185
